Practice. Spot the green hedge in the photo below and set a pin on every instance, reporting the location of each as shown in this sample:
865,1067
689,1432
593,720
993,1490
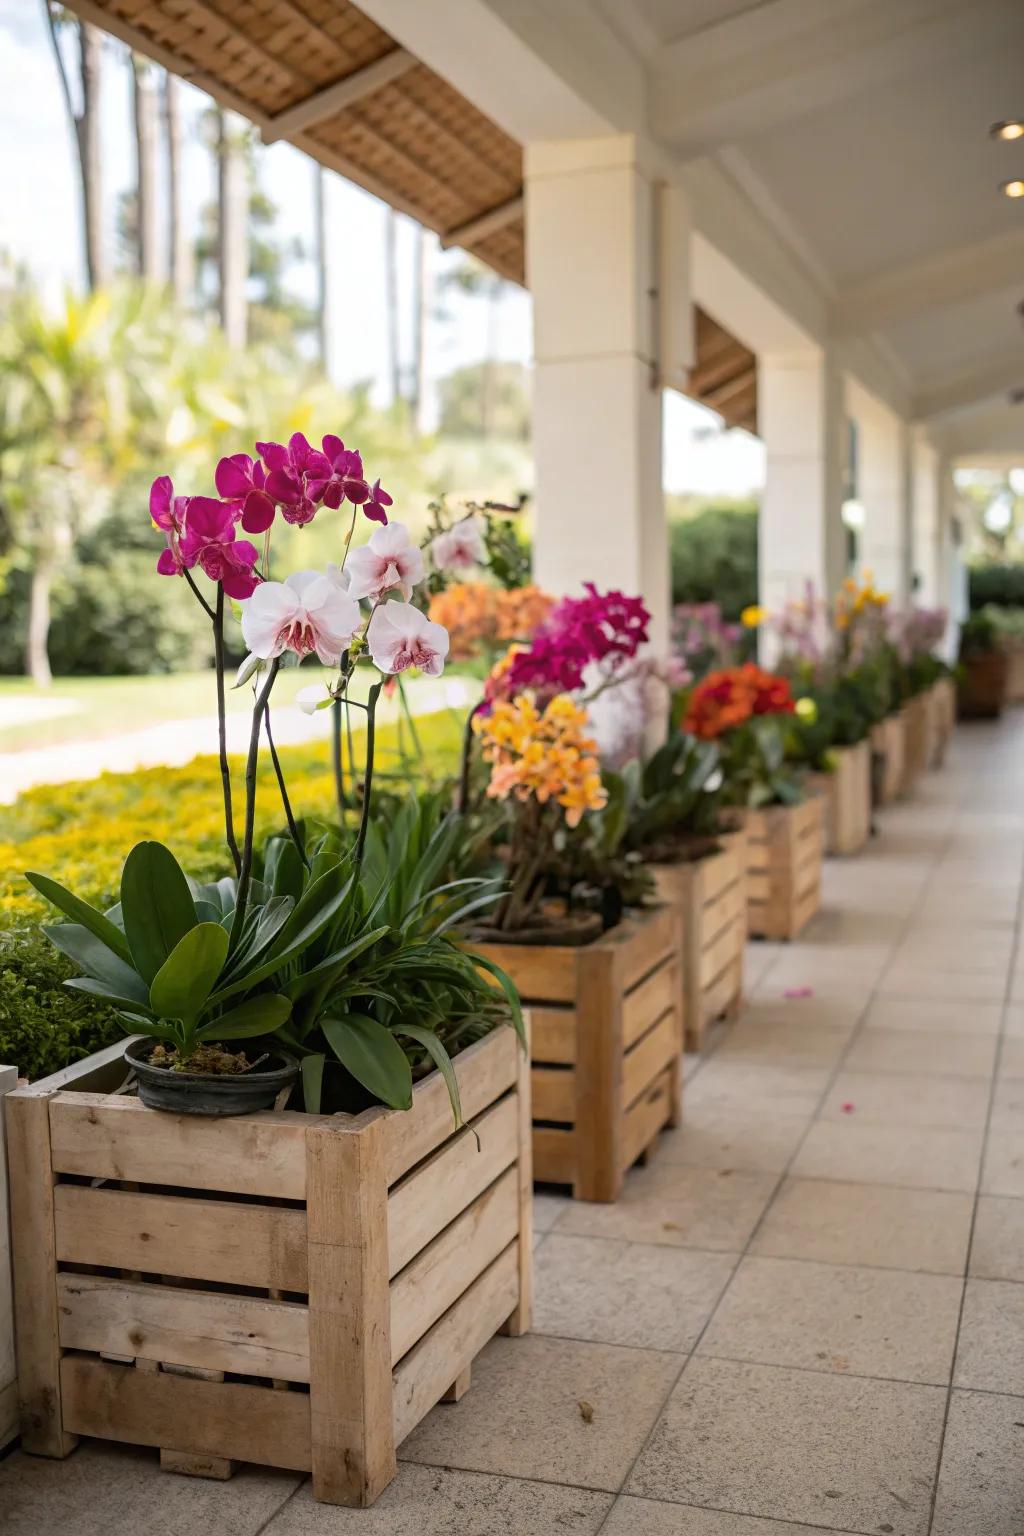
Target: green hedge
714,558
1000,585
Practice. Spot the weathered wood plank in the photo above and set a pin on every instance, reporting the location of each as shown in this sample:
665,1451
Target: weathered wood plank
484,1071
553,1090
554,1154
650,1056
520,1320
226,1241
650,999
645,1118
8,1386
553,1035
207,1329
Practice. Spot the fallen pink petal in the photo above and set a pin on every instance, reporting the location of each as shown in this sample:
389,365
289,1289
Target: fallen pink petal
797,992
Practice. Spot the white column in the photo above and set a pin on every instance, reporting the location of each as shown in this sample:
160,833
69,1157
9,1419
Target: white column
591,263
928,521
801,537
883,488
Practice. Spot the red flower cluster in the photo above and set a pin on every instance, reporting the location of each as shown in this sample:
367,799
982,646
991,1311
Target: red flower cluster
723,700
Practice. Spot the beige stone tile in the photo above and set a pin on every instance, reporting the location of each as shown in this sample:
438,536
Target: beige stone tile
997,1250
867,1153
682,1206
927,982
1003,1170
522,1417
933,1017
912,1229
825,1317
902,1099
1008,1103
115,1490
820,1010
840,1452
548,1209
1014,1026
910,1050
795,1044
751,1088
990,950
647,1517
981,1491
438,1501
711,1137
990,1352
1011,1058
645,1295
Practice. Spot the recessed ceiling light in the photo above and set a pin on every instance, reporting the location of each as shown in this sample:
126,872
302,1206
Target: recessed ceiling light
1011,129
1014,188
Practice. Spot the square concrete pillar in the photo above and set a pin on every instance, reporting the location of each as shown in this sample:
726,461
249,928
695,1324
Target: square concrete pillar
592,261
884,489
801,538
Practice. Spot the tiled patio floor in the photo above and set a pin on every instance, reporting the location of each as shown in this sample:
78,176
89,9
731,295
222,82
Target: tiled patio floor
806,1315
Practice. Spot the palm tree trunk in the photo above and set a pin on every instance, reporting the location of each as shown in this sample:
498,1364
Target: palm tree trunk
147,232
85,125
323,316
37,660
181,273
391,300
233,250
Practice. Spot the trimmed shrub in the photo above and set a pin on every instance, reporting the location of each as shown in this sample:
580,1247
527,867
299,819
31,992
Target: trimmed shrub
1002,585
714,559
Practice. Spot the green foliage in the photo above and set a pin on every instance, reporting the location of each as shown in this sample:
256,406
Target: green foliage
754,764
486,399
978,635
714,557
43,1025
675,794
1002,585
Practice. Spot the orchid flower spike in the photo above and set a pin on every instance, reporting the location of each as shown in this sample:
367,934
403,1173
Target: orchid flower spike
305,613
400,637
389,562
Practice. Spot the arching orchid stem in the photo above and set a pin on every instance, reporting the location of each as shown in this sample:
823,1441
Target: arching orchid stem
364,820
200,599
462,804
292,827
245,873
336,760
222,728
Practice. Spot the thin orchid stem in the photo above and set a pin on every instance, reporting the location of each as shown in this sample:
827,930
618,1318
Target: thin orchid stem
245,873
364,820
199,596
292,827
336,760
417,744
222,731
462,804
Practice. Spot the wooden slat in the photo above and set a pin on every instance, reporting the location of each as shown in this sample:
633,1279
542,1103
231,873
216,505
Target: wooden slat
541,973
440,1273
335,98
439,1189
241,1334
554,1155
553,1090
102,1072
645,942
452,1344
229,1419
723,994
351,1442
645,1119
598,1168
226,1241
724,949
520,1319
649,1001
484,1070
8,1387
104,1138
650,1056
553,1035
44,1428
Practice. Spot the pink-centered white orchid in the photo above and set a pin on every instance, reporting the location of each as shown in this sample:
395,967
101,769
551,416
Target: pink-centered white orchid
458,547
306,613
400,637
389,562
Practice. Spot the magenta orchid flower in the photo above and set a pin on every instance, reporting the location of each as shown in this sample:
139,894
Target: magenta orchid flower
168,513
400,637
296,476
305,613
389,562
209,542
457,547
346,480
242,480
376,508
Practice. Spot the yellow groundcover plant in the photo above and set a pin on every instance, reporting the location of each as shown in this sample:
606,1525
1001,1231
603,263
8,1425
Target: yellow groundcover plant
78,831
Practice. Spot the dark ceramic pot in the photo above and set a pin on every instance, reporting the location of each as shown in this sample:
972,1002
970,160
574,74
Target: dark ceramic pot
210,1093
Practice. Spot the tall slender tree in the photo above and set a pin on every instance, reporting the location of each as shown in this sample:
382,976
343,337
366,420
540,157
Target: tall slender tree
233,226
84,118
178,246
391,303
323,313
151,267
420,322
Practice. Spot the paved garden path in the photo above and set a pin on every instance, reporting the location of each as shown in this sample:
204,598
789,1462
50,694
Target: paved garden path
806,1315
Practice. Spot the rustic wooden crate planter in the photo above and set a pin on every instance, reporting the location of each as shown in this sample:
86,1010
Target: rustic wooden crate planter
888,742
711,895
8,1384
917,719
784,856
1014,651
606,1038
289,1289
942,702
847,795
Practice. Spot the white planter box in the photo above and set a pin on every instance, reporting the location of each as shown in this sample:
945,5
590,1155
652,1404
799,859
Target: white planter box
8,1381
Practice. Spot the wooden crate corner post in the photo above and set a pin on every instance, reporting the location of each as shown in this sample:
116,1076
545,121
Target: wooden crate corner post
36,1314
352,1439
8,1378
521,1320
599,1106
